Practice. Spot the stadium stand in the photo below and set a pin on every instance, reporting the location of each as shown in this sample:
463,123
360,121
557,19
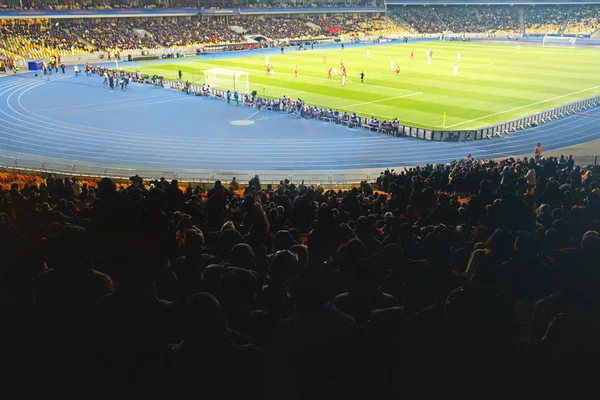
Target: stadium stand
189,32
544,19
479,19
73,37
42,38
296,289
500,19
420,19
360,25
584,20
539,19
110,35
85,5
277,27
38,40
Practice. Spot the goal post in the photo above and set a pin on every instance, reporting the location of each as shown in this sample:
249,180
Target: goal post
558,41
227,79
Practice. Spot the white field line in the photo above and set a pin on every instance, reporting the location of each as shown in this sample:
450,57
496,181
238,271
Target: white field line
475,66
294,92
380,100
518,108
350,81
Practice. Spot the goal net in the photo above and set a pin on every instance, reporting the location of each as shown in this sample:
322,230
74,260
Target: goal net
559,41
227,79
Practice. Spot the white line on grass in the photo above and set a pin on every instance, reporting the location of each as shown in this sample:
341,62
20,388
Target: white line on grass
380,100
518,108
350,81
294,92
476,66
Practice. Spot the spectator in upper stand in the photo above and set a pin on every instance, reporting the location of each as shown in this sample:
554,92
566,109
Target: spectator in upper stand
258,235
205,337
527,276
364,232
544,217
579,293
146,321
445,213
575,177
364,296
255,182
570,163
315,325
303,210
234,185
591,211
328,234
71,281
485,264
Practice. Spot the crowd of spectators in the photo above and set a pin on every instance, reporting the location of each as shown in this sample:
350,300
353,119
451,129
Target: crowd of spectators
460,18
340,25
84,5
277,28
500,19
110,34
85,36
544,19
262,290
421,19
480,19
39,39
25,38
189,32
312,4
107,5
584,19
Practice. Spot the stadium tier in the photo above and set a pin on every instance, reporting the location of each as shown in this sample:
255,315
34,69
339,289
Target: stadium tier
192,289
41,38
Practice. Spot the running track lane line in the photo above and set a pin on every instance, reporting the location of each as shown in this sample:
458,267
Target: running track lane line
294,141
563,141
492,145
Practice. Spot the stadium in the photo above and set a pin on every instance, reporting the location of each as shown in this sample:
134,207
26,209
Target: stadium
309,199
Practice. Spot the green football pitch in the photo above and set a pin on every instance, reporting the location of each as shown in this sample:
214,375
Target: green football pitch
495,82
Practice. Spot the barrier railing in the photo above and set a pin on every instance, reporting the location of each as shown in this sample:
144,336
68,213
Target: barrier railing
517,124
488,132
31,164
35,165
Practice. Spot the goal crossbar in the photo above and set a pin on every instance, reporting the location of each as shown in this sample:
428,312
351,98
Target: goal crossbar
227,79
559,41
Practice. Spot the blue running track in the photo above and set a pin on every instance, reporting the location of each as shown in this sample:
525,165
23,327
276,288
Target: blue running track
78,119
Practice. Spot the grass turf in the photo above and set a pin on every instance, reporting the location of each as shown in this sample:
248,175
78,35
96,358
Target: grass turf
494,82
